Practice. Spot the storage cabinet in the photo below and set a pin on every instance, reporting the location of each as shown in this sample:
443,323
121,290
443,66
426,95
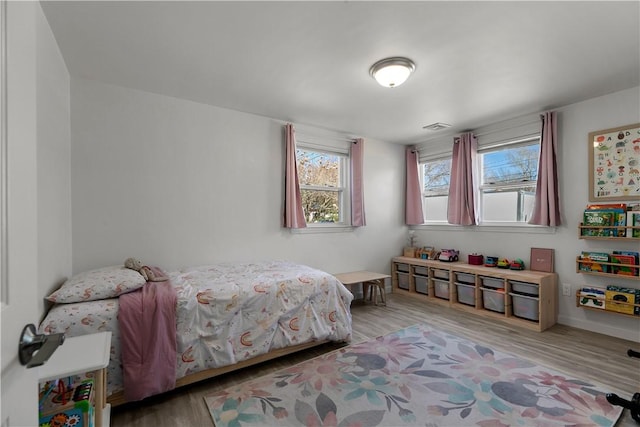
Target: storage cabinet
525,298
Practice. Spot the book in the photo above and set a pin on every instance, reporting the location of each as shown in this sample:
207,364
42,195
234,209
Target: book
623,295
633,220
593,297
624,265
592,262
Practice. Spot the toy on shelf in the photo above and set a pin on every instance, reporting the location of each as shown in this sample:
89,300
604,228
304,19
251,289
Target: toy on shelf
449,255
517,264
491,261
503,263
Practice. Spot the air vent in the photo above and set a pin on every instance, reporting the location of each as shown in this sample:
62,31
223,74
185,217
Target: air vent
436,126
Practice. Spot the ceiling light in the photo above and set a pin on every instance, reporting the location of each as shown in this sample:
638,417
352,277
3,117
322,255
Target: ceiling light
392,72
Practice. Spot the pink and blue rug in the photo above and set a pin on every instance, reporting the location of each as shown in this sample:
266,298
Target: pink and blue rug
417,376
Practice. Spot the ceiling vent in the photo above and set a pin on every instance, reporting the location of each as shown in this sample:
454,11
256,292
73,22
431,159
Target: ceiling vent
436,126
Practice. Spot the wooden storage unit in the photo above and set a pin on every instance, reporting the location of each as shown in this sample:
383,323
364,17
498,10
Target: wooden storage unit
465,283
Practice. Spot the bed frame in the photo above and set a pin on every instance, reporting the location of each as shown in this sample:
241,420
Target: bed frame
117,398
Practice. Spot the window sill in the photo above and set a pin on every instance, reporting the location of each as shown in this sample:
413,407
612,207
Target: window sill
487,228
319,229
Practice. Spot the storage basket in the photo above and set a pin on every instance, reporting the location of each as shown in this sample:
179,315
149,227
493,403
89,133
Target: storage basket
403,280
421,284
465,278
524,288
492,282
525,306
493,300
404,268
441,288
423,271
466,294
440,274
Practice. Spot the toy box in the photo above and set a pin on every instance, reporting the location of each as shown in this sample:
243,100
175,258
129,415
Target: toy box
67,402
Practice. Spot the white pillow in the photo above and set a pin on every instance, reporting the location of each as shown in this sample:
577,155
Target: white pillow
102,283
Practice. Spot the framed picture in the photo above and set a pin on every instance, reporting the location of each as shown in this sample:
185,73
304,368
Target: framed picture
614,164
541,259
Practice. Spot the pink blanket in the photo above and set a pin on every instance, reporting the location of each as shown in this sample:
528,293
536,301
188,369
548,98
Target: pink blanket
147,321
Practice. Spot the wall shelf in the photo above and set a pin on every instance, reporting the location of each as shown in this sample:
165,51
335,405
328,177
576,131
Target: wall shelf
583,261
605,302
620,228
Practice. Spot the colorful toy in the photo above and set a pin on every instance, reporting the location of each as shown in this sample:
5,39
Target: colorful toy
67,402
503,263
517,264
491,261
449,255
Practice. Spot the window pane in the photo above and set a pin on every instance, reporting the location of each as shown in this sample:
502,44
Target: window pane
511,165
435,208
318,169
437,174
512,205
320,206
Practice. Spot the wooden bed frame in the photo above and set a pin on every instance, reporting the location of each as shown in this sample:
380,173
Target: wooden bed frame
117,398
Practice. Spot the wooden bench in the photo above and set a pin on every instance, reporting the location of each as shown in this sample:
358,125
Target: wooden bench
371,282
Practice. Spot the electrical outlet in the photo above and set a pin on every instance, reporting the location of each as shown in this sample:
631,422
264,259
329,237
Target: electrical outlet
566,289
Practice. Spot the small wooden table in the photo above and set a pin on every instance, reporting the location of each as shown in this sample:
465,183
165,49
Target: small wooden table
372,282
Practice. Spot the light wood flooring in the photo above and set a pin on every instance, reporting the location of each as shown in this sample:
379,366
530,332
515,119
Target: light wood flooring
576,352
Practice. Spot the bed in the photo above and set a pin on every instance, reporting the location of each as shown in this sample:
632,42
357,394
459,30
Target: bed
227,316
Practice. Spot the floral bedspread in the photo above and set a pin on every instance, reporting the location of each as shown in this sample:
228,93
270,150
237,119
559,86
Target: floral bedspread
228,313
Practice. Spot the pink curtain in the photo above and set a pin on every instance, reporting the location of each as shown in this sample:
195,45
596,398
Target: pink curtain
546,208
357,183
462,188
293,213
413,210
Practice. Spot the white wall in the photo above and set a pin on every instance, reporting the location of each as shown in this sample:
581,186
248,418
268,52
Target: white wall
575,123
53,158
177,183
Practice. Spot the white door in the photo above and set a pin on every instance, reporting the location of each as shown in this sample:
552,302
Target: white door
18,234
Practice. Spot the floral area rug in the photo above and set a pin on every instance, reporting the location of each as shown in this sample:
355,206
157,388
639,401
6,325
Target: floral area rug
417,376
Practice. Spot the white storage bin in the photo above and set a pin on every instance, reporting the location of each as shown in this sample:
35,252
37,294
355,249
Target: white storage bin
421,284
466,294
440,274
524,288
403,280
465,278
404,268
493,300
492,282
441,288
423,271
525,306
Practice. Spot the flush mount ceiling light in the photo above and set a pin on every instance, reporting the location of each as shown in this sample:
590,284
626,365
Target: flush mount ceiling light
392,72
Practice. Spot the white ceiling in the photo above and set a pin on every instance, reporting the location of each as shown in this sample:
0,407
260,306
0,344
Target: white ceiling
308,62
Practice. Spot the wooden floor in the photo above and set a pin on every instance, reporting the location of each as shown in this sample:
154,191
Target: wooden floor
576,352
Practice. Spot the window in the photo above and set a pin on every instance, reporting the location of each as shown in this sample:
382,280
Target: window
323,175
436,175
508,181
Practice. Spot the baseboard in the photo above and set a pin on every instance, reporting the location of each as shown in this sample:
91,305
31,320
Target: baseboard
614,331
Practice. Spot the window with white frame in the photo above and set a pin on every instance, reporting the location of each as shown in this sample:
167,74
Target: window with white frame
323,177
508,175
436,174
508,181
